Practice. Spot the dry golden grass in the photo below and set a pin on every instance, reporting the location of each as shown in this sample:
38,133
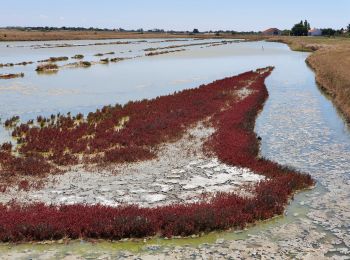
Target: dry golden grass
332,67
311,43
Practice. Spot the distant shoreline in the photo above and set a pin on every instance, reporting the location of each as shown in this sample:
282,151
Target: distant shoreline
328,53
7,35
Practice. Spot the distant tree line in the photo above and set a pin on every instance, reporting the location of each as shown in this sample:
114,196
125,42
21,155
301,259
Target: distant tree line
66,28
302,29
332,32
63,28
140,30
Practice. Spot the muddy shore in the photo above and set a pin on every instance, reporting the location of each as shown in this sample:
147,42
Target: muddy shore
181,173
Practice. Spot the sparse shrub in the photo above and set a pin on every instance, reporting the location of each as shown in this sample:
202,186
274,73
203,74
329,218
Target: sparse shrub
11,76
116,59
47,67
55,59
78,57
85,63
6,147
11,122
163,52
104,61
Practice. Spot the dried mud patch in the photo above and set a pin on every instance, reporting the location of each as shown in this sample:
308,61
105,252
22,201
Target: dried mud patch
181,173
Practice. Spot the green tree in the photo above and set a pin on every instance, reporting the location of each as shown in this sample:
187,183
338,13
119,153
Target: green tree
195,31
328,32
348,28
300,29
307,25
286,32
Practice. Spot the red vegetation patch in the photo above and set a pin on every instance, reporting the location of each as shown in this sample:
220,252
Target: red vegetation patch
125,133
149,123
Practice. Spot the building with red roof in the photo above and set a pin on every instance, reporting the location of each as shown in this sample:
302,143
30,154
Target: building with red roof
272,31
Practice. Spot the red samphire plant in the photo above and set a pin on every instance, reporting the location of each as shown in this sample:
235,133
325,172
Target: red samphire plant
132,132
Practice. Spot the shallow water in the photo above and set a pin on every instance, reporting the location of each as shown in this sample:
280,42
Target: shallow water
298,125
85,89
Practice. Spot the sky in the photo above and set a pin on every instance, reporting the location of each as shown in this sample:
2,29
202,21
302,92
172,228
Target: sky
246,15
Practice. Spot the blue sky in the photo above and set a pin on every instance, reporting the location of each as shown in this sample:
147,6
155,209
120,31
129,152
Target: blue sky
175,14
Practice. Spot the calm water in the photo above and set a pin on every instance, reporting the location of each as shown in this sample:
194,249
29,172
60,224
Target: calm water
299,126
85,89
